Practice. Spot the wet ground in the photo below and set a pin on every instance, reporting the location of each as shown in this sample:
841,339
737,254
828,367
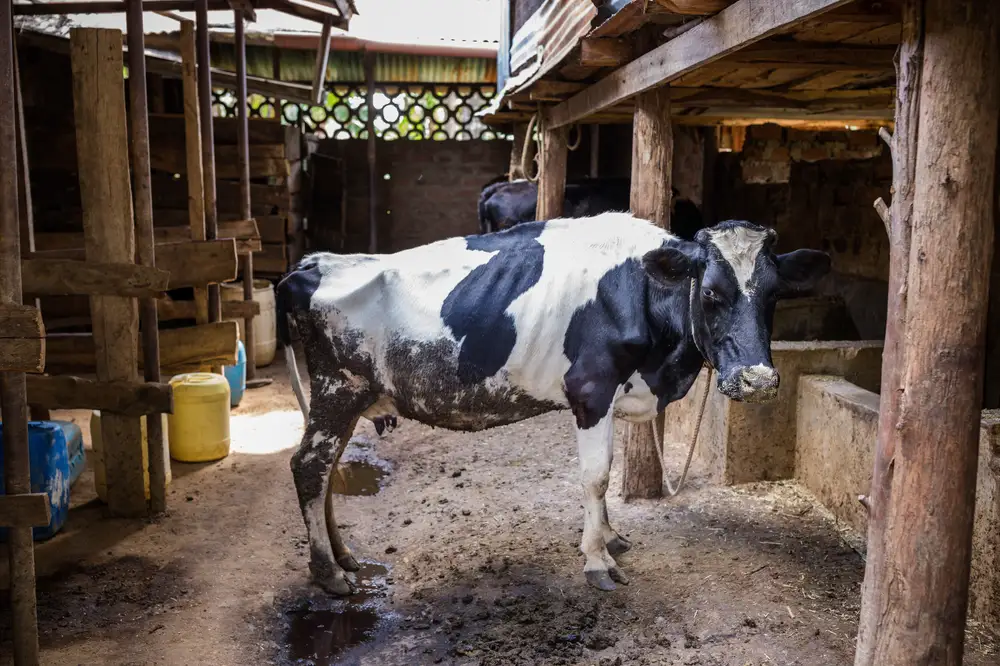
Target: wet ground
469,544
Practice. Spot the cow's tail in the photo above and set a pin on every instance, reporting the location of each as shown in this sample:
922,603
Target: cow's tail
286,326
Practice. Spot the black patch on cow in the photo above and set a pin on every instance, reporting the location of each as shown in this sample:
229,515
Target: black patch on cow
634,324
475,310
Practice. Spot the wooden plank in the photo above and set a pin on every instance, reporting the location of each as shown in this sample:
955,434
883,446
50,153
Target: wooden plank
120,397
243,146
202,42
554,91
105,192
272,259
172,310
739,25
22,343
604,52
265,161
914,606
189,263
225,131
65,277
28,510
274,228
181,349
238,229
192,150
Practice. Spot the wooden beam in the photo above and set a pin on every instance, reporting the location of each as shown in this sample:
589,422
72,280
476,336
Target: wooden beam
192,151
65,277
109,236
25,511
243,146
181,349
22,338
603,52
322,59
190,263
552,172
914,605
820,56
17,466
120,397
553,91
735,27
171,310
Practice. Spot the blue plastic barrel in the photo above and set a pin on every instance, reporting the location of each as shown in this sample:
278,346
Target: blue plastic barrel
74,449
236,375
50,473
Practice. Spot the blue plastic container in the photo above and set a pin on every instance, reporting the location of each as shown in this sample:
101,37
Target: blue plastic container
74,449
50,473
236,375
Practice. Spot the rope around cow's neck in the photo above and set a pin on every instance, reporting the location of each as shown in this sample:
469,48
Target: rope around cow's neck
658,438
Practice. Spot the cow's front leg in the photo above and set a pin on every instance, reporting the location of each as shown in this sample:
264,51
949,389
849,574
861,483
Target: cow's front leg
326,436
596,445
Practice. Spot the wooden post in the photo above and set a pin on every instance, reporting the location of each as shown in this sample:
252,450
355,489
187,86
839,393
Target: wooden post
192,139
652,168
551,172
322,59
243,141
27,220
102,155
207,144
515,172
158,456
372,157
915,594
13,394
595,149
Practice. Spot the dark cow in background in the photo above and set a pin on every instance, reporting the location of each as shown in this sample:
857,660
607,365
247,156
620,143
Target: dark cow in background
504,204
607,316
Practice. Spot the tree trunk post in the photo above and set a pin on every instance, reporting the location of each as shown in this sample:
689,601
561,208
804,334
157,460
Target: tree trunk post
915,594
652,169
551,172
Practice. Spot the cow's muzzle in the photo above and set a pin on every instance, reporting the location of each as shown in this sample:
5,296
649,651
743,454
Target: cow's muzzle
755,383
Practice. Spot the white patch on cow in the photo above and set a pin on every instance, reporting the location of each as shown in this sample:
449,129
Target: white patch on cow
578,253
638,404
739,248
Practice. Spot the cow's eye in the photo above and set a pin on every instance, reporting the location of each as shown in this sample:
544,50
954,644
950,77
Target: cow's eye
708,294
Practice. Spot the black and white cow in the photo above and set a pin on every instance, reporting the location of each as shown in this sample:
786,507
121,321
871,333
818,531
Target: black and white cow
607,317
504,204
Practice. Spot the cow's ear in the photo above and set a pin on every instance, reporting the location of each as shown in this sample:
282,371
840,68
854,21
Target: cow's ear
802,269
671,264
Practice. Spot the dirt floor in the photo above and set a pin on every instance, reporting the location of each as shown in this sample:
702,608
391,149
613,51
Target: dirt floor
470,550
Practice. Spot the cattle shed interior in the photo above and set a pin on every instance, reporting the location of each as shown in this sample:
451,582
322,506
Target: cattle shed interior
149,206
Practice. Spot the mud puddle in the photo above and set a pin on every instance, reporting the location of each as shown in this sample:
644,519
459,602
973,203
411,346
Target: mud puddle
360,471
321,636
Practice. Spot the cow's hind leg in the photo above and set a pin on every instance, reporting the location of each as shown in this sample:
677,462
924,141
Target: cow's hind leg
329,429
595,450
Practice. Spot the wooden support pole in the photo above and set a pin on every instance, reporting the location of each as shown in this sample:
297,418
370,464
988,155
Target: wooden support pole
243,143
192,143
515,172
551,171
13,394
372,156
109,236
24,180
159,458
322,59
915,594
207,143
652,169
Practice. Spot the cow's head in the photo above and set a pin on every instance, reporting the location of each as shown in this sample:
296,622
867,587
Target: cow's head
735,279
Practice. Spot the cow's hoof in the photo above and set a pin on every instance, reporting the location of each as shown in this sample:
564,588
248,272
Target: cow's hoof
338,586
618,575
348,563
618,546
600,579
